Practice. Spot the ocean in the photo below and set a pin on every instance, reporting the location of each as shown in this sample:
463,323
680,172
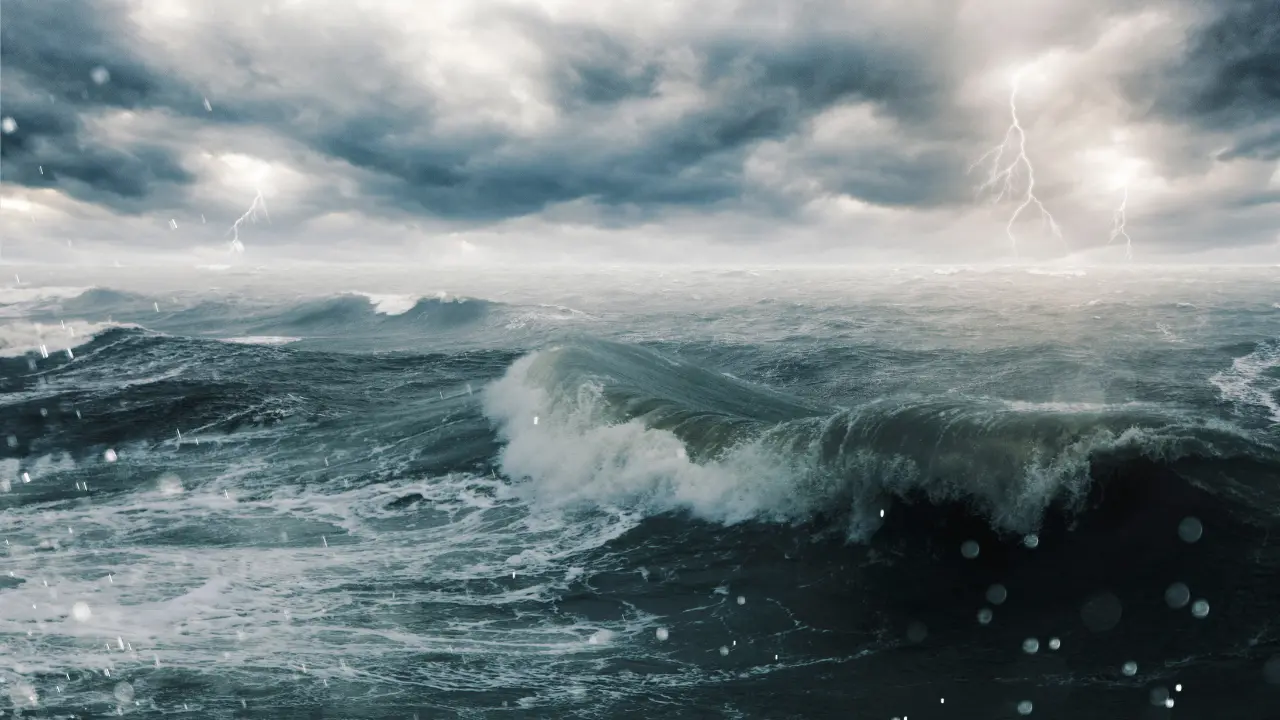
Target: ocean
958,492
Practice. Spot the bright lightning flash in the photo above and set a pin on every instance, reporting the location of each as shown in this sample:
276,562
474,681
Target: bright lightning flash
1117,226
259,205
1002,174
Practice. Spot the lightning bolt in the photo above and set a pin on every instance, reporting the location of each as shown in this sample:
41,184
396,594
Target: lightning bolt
259,205
1002,174
1117,226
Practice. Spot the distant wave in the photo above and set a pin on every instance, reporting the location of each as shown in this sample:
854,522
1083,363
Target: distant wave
24,338
23,295
604,424
1071,272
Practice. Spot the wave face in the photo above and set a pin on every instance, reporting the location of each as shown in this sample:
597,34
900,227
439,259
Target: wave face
621,424
714,494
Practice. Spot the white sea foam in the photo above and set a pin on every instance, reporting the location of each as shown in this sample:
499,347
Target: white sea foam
261,340
20,338
1254,380
388,304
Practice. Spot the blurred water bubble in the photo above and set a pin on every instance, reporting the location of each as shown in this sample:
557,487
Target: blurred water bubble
742,600
169,485
26,478
1032,541
662,634
1177,595
997,594
1200,609
1101,612
1025,707
1177,688
1129,669
1031,646
1271,670
1159,696
969,549
8,125
724,650
984,616
109,455
100,75
1054,643
1190,529
123,692
917,632
23,694
81,611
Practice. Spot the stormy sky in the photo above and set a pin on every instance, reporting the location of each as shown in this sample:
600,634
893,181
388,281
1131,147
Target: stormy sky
517,131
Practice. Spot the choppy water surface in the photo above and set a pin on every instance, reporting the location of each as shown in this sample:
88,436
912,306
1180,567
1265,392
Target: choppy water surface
760,493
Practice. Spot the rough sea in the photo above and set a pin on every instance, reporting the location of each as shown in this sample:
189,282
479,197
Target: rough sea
879,493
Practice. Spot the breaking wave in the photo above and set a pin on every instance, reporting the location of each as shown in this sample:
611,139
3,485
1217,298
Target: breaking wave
606,424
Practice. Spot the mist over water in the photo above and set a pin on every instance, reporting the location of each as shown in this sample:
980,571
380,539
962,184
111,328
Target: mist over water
717,493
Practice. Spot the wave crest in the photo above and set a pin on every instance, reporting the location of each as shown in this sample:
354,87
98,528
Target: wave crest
603,424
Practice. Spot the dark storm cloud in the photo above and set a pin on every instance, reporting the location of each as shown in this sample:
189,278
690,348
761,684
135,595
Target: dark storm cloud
52,50
1228,80
758,91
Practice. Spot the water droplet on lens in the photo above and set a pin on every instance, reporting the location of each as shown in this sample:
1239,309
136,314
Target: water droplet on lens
1031,646
1032,541
1054,643
969,549
1101,612
662,633
997,594
1190,529
1130,669
1159,696
742,600
1177,596
81,611
123,692
1200,609
100,75
984,616
1025,707
109,455
724,650
917,632
1271,670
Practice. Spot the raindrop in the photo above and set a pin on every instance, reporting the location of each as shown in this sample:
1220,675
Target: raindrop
1129,669
997,594
1025,707
969,549
1177,596
100,75
662,634
1031,646
1200,609
1190,529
